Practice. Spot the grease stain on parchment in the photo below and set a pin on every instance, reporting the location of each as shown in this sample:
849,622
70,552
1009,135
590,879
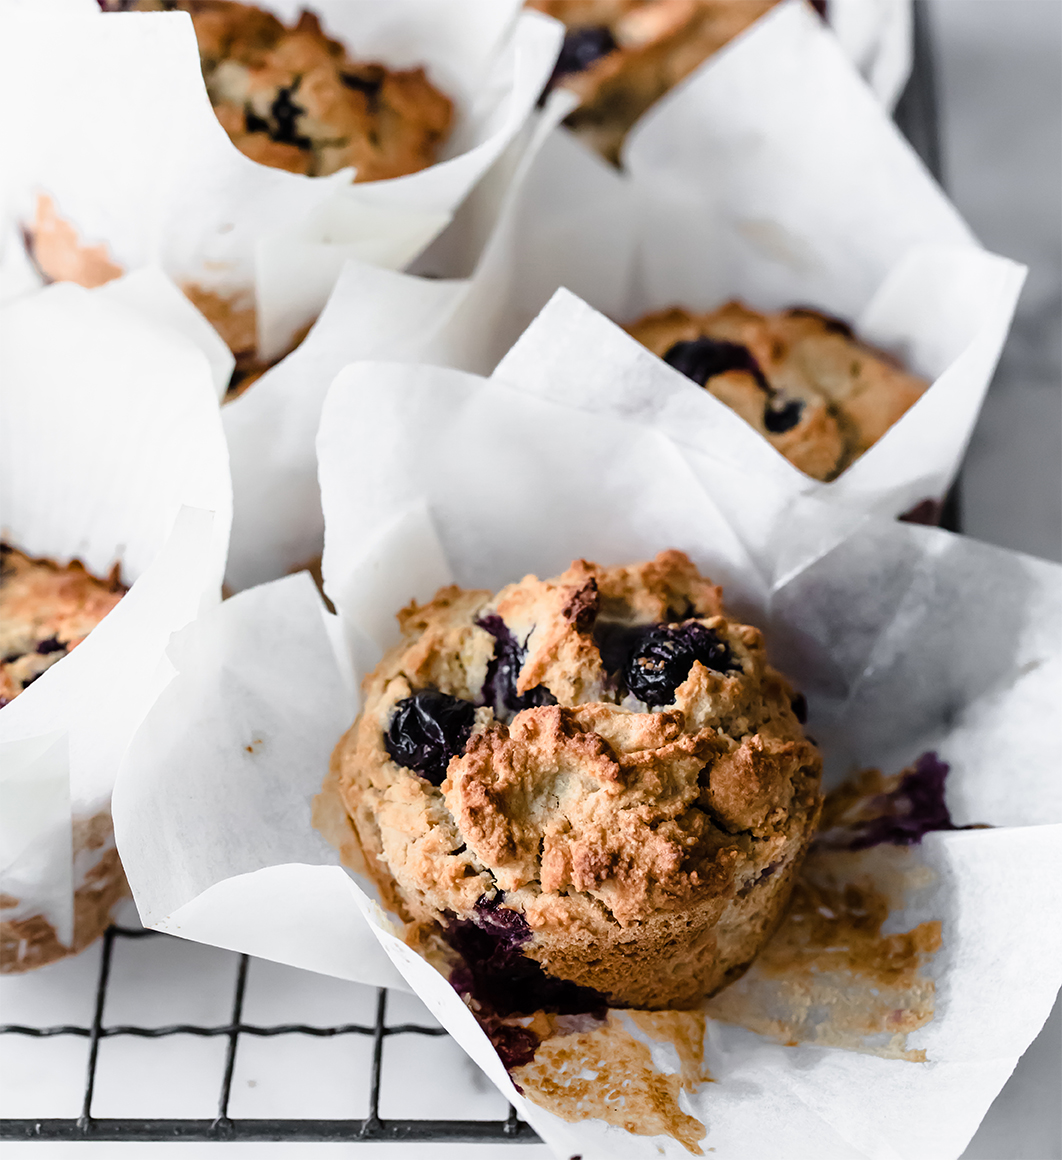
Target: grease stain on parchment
605,1070
830,976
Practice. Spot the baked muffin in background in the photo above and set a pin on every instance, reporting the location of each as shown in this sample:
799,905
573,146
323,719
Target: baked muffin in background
621,56
292,98
585,790
802,378
58,254
46,610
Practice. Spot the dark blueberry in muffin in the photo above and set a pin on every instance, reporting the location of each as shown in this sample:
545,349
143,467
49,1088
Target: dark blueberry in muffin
368,83
505,925
615,642
50,646
581,47
799,705
428,729
784,417
500,977
662,660
702,358
282,122
499,688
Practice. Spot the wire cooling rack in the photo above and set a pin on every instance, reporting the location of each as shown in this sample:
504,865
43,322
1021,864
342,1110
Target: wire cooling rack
223,1127
916,115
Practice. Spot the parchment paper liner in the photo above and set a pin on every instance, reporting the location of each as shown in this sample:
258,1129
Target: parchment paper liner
157,180
112,451
878,39
471,481
772,174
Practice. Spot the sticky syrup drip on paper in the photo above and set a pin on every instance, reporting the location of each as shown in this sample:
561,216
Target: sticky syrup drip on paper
608,1071
830,976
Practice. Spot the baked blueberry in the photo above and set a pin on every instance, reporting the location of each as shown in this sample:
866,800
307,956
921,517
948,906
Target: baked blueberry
581,47
499,688
500,977
368,85
586,848
702,358
662,660
784,417
428,729
824,396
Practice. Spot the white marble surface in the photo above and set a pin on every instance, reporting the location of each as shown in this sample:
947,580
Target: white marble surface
1001,88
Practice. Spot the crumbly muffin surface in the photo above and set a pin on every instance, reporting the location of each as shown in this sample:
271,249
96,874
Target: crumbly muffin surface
620,56
45,612
292,98
600,768
810,387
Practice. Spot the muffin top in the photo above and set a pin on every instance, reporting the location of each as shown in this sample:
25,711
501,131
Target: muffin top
45,611
597,748
802,378
620,56
292,98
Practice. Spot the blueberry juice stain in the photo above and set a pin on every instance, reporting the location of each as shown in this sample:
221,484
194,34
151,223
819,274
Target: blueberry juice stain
500,981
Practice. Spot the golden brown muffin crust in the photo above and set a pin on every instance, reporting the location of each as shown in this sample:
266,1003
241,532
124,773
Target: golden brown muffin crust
292,98
648,848
46,611
845,392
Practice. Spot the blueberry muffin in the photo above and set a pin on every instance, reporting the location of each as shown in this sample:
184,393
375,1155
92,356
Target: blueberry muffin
45,611
58,254
591,789
620,56
28,940
293,99
810,387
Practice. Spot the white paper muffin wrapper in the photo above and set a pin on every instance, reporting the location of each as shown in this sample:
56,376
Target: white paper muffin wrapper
157,179
772,174
111,451
877,36
371,313
904,639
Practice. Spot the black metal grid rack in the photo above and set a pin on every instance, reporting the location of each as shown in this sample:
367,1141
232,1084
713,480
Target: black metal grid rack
916,115
222,1127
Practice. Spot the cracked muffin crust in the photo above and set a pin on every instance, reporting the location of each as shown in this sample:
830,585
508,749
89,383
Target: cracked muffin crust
621,56
809,386
594,787
292,98
46,610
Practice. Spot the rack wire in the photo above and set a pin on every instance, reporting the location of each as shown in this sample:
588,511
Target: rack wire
223,1127
917,117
